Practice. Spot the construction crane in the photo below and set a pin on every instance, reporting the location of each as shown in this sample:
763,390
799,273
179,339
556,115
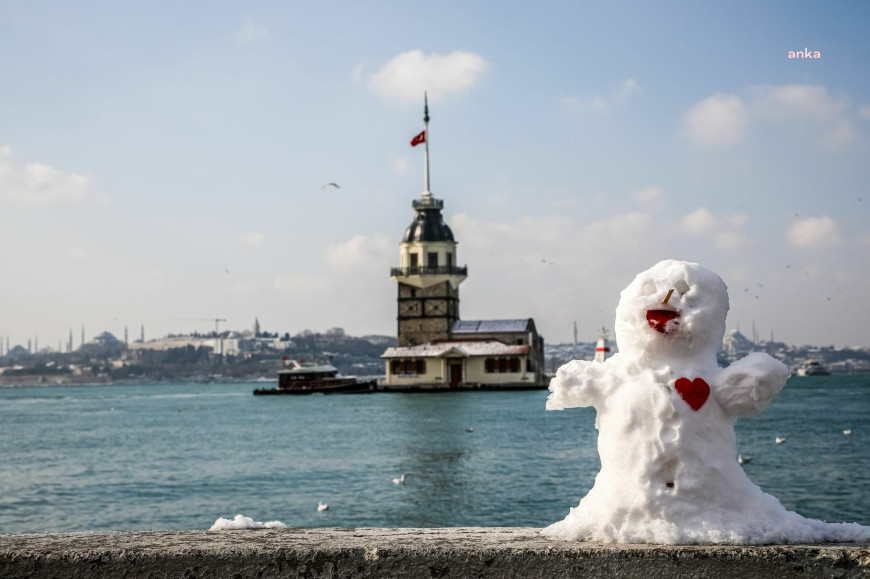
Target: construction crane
216,321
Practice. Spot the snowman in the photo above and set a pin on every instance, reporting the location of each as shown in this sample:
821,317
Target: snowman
665,414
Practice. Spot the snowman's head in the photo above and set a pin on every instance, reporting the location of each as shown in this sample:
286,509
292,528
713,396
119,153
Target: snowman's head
674,309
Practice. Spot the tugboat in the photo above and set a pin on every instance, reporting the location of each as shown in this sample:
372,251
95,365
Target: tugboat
308,378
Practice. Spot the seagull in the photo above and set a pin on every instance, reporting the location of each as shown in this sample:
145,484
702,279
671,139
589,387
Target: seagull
546,262
781,439
744,459
331,184
847,432
321,506
399,481
469,429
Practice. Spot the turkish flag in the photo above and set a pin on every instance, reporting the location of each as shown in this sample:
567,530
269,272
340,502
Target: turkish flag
421,138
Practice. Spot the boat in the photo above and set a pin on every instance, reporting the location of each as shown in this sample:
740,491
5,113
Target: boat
813,368
310,378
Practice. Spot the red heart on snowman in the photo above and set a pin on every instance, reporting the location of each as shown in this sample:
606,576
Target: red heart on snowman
694,392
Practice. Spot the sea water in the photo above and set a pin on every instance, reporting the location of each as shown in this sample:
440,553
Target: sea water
181,455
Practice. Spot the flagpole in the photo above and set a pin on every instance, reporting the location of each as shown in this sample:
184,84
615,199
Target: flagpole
426,193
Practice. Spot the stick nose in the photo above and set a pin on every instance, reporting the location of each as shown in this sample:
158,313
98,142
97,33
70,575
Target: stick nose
667,297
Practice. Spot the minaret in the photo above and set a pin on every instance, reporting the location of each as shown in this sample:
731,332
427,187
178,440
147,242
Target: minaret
428,277
256,327
574,347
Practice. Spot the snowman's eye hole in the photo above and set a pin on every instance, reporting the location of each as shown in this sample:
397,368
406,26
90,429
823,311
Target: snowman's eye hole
682,287
648,288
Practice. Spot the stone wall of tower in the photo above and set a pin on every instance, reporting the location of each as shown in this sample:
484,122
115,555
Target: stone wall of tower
426,314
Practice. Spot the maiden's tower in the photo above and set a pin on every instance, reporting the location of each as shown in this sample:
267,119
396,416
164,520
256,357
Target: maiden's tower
437,350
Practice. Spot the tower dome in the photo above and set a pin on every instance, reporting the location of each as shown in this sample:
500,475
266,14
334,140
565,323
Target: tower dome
428,224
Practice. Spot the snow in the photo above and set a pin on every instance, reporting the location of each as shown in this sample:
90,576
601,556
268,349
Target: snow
489,326
461,347
243,522
665,414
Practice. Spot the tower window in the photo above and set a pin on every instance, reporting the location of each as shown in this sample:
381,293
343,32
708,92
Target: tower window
408,367
432,260
413,257
502,365
449,260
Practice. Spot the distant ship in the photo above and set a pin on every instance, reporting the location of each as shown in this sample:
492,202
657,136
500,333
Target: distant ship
813,368
302,378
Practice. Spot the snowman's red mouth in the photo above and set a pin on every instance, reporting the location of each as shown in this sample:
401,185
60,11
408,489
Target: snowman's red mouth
658,319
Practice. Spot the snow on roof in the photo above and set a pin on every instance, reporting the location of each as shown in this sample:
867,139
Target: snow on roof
465,349
489,326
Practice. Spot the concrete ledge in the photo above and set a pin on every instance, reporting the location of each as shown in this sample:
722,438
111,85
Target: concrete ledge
402,553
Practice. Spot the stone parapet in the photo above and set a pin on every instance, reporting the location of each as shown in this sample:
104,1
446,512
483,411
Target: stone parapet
403,553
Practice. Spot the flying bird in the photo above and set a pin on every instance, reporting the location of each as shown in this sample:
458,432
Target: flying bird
780,439
321,506
330,184
399,481
546,262
744,459
847,432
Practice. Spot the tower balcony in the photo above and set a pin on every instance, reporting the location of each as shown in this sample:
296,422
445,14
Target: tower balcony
427,270
430,203
427,276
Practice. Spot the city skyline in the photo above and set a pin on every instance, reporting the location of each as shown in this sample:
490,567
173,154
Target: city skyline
170,162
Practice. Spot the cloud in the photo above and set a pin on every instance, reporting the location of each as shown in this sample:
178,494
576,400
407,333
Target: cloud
356,73
253,239
717,120
556,238
732,240
302,285
599,105
698,222
626,89
727,232
360,252
814,232
406,76
251,32
726,119
796,100
864,111
648,195
41,184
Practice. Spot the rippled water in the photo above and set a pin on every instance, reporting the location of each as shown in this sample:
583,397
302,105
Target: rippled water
178,456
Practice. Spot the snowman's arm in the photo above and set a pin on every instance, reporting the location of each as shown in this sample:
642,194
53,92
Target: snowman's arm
749,384
575,384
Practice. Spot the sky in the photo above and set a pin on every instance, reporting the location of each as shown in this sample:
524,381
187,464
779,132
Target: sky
162,164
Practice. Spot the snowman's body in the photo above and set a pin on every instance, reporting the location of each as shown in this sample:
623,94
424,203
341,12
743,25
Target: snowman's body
666,415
